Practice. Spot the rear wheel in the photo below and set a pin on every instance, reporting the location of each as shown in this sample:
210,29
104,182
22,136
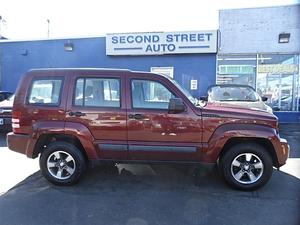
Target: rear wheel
62,163
246,166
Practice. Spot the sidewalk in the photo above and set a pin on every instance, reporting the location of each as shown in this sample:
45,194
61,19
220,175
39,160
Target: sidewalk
14,167
291,132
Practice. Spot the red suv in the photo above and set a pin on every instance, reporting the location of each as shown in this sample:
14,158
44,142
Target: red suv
72,117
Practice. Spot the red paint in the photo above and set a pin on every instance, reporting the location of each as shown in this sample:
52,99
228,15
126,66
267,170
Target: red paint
207,129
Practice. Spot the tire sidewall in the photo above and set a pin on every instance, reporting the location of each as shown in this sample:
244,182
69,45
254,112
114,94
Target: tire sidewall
80,164
236,150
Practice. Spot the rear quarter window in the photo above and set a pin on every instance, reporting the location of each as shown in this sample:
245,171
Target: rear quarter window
45,91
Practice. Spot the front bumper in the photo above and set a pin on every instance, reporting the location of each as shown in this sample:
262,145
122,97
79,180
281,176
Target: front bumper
282,150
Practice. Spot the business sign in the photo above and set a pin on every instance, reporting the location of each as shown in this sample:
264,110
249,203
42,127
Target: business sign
160,43
194,84
236,69
278,68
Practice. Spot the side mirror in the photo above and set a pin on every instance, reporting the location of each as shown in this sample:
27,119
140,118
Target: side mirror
264,99
176,105
204,98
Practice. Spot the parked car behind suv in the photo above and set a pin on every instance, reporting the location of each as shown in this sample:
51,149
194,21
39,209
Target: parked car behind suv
72,117
237,95
5,95
6,114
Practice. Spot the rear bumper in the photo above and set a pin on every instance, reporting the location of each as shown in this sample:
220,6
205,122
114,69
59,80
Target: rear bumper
20,143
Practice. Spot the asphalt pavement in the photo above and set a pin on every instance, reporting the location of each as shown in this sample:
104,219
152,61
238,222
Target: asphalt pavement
154,194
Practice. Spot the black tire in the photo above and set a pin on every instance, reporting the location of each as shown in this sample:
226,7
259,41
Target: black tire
257,152
77,164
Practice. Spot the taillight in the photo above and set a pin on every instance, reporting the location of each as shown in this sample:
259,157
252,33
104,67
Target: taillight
16,115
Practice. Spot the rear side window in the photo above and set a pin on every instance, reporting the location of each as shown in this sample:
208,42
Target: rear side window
97,92
45,91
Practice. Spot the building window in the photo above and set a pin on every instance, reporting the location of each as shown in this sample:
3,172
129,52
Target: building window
167,71
275,76
236,69
278,79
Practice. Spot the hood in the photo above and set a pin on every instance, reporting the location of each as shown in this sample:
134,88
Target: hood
252,105
239,112
6,104
258,105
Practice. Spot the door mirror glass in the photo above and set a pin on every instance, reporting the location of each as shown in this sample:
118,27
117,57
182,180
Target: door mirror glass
176,105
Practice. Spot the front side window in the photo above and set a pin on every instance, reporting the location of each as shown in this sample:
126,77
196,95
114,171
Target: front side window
45,91
97,92
150,95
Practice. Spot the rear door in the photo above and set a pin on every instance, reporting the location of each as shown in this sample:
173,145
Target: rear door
97,104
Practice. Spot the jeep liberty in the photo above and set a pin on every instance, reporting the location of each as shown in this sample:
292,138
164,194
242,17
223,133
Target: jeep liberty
73,117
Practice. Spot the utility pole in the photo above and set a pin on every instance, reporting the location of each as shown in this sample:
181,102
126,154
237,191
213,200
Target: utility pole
2,23
48,32
0,27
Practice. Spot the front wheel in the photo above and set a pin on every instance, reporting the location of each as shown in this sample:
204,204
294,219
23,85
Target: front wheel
246,166
62,163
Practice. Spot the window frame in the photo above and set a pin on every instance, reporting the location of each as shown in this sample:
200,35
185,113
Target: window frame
38,78
83,94
153,80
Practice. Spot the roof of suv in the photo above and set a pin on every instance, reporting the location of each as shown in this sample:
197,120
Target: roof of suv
78,69
46,70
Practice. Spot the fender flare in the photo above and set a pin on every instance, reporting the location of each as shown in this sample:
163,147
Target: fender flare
213,148
77,130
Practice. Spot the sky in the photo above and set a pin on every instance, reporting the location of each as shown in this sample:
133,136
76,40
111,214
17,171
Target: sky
83,18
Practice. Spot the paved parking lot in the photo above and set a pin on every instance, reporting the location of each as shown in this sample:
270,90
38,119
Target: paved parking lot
145,194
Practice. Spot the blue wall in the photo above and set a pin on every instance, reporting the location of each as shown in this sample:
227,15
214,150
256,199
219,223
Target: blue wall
18,57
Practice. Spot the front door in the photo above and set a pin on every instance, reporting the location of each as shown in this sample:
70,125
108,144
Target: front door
153,133
97,104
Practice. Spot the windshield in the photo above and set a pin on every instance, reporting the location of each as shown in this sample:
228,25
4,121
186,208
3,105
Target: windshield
232,93
185,92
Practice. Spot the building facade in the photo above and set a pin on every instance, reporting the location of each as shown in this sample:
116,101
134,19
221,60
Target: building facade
191,66
260,47
257,46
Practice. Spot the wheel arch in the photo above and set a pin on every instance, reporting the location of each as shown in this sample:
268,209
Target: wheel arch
45,139
265,143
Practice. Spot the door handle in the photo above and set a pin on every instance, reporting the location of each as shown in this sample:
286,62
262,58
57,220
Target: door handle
78,114
136,116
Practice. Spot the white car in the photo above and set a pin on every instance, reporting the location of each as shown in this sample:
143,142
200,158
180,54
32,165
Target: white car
236,95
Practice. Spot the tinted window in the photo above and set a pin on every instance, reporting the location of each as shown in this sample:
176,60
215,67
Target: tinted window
45,91
149,94
102,92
